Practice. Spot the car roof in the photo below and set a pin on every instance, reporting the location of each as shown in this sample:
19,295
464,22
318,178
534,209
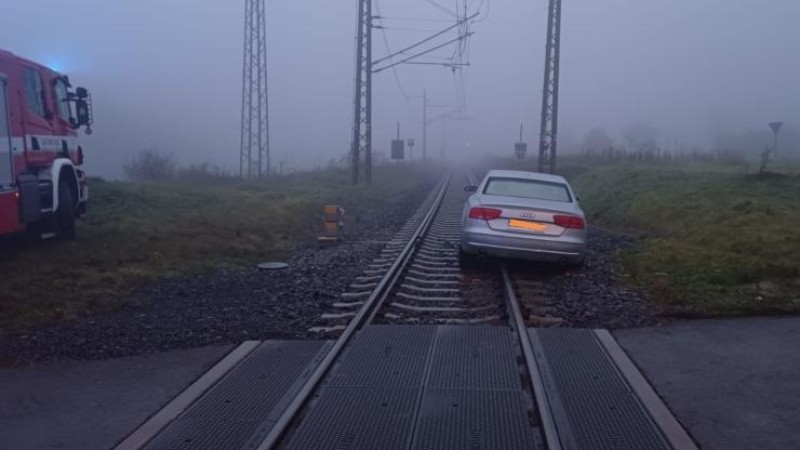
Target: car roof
526,175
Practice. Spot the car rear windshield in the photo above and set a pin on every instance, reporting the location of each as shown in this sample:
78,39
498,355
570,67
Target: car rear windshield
540,190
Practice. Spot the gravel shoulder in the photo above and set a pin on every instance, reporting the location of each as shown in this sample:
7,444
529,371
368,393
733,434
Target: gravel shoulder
222,307
596,295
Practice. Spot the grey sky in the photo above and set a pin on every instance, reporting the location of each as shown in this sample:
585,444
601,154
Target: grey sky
167,73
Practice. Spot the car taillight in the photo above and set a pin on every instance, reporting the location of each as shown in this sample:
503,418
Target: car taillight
570,222
484,213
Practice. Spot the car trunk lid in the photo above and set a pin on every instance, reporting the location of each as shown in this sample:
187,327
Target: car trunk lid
528,216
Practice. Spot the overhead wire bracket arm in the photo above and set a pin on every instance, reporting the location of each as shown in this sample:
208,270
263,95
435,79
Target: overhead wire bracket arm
450,115
433,63
428,39
424,53
441,8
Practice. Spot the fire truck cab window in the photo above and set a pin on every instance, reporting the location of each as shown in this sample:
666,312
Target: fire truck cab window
34,93
6,176
4,131
61,99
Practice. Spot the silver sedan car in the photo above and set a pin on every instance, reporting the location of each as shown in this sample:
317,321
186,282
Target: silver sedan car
524,215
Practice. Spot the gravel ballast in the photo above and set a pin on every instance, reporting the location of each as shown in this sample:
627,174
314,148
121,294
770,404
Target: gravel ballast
596,295
227,307
222,307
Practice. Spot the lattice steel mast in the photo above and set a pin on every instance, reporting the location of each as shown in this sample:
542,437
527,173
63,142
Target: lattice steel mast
362,110
254,157
548,139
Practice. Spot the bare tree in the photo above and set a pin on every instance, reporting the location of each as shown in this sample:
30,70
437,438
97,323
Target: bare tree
150,165
597,139
641,136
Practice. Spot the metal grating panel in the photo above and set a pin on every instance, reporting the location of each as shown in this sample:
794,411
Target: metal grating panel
253,388
586,390
385,356
460,419
194,434
476,358
250,395
351,418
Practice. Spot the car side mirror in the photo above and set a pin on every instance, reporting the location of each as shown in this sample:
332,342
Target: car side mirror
471,189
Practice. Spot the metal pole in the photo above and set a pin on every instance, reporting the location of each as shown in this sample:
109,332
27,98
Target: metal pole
247,91
424,125
356,143
444,137
362,115
244,132
368,75
556,82
548,138
776,144
776,128
254,93
265,94
260,86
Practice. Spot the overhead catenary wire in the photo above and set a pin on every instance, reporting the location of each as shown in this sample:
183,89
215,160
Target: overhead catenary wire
427,51
443,8
451,41
389,51
460,55
412,19
424,41
417,30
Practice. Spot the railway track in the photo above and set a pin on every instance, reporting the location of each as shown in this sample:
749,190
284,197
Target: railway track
441,381
432,287
417,279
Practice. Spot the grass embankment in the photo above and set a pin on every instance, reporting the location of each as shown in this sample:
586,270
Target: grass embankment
138,232
715,242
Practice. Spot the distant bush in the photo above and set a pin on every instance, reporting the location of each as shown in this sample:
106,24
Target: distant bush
206,173
151,165
657,155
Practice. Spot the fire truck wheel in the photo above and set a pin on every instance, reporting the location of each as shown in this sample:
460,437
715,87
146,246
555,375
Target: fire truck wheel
33,231
65,216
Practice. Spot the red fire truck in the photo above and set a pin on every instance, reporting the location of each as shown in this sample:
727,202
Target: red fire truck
42,191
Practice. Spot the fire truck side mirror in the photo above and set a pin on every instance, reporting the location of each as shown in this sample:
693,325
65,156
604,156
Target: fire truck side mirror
83,109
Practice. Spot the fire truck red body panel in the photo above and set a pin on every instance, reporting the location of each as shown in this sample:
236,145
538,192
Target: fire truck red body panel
44,150
9,218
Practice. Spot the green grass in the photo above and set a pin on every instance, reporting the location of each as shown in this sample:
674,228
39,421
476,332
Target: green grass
729,243
135,233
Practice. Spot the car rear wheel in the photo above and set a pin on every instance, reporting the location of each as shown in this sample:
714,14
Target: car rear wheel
466,261
577,265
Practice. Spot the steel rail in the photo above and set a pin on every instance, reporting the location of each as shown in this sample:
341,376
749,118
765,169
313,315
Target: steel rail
365,315
548,426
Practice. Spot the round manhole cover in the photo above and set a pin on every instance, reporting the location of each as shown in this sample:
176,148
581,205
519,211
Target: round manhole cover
272,265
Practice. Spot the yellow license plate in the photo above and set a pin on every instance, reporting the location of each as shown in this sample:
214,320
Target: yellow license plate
527,225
